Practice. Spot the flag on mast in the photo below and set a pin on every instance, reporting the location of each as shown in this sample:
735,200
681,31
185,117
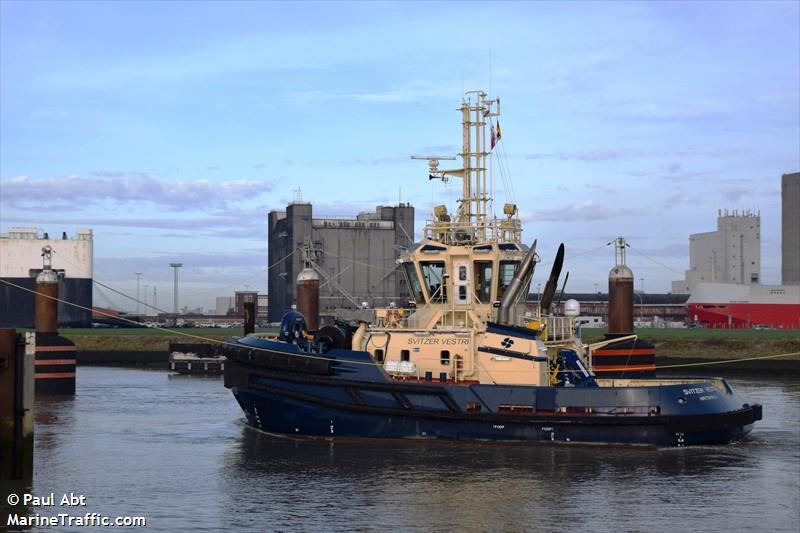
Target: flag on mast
493,135
499,136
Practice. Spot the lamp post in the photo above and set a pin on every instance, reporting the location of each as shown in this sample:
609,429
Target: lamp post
138,277
146,286
641,298
175,267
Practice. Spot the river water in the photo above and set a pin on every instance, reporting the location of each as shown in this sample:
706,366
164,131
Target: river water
174,450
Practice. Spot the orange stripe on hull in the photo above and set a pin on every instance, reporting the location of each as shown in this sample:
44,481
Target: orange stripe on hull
54,375
638,351
54,362
55,348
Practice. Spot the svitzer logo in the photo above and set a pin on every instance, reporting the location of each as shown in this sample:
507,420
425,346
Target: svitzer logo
507,343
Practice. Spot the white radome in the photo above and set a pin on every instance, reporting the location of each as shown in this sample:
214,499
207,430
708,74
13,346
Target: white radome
572,308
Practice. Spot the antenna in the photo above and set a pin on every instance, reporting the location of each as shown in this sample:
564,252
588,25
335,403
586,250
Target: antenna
138,278
47,257
619,250
433,164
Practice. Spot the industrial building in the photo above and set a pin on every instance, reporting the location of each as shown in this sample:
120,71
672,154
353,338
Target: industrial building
354,257
234,305
790,229
262,307
224,305
732,254
242,297
21,262
649,310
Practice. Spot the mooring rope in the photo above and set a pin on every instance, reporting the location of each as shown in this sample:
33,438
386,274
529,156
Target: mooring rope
322,358
176,332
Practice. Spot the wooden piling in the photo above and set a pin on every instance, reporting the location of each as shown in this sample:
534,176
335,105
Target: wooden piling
16,407
249,318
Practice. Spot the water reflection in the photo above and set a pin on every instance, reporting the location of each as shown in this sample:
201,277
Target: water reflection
508,487
175,450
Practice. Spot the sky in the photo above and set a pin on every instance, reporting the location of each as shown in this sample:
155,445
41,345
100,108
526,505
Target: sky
171,129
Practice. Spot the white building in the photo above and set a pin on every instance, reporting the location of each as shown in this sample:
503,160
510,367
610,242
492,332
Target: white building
732,254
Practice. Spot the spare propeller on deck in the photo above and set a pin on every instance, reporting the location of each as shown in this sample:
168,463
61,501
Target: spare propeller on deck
552,283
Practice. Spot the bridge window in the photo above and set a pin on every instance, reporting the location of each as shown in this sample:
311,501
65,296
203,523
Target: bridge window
413,281
433,272
507,271
483,280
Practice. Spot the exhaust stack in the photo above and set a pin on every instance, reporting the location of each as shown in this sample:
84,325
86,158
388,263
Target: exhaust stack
525,271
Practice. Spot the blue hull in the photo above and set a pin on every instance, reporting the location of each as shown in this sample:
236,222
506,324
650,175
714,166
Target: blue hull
329,399
276,414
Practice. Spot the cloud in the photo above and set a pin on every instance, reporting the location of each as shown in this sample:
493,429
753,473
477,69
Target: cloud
675,198
441,150
124,187
417,91
232,223
610,154
688,176
580,212
196,262
674,250
390,160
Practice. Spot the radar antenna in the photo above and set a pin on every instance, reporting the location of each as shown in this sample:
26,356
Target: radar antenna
433,165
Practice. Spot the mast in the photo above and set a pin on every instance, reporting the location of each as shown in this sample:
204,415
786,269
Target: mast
473,211
473,222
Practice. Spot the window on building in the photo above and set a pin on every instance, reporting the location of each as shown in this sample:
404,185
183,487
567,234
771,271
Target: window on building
404,355
445,357
379,356
483,280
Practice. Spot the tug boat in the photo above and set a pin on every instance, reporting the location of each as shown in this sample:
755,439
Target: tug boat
465,361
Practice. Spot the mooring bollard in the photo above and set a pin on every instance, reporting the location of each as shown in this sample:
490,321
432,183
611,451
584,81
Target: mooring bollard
249,318
55,355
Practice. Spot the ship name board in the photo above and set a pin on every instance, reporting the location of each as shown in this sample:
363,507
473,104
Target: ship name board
438,340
